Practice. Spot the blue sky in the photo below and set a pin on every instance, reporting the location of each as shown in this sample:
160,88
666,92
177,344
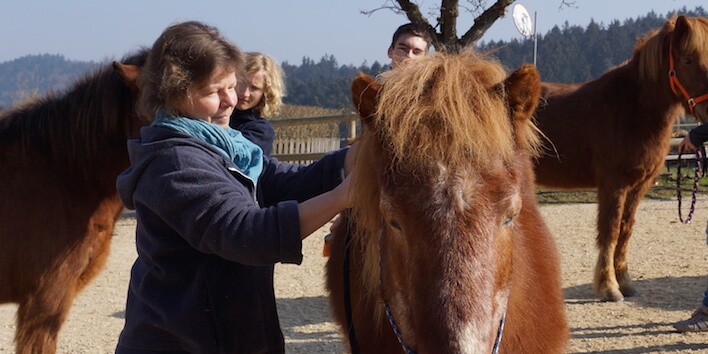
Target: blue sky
286,29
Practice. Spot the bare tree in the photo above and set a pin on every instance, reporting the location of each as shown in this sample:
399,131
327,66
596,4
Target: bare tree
444,33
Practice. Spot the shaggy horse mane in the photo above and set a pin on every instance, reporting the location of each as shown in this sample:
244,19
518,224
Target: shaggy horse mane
102,108
649,49
446,109
427,104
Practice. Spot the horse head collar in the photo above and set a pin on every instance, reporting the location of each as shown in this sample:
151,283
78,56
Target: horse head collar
676,84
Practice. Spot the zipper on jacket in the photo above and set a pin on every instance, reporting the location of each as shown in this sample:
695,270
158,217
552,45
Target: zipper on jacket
243,178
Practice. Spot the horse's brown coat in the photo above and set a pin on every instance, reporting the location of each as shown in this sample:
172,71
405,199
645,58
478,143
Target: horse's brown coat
59,159
445,227
613,133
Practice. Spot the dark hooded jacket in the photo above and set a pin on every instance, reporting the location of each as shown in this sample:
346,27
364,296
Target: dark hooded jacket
207,243
255,128
698,135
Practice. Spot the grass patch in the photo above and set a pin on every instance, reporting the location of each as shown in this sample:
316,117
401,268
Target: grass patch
664,189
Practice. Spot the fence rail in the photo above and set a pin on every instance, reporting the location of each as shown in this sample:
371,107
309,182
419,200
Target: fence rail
308,150
672,157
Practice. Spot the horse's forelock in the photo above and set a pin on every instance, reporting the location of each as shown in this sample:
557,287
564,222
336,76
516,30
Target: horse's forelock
446,108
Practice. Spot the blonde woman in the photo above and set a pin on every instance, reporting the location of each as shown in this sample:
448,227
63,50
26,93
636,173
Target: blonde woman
260,94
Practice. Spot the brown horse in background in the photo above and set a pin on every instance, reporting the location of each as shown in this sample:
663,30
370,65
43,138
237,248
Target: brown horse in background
613,134
448,250
59,159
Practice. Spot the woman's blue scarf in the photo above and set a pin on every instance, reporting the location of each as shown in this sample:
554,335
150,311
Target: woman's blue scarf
247,156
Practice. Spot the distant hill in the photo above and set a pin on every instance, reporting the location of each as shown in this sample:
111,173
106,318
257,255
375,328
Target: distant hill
323,83
37,74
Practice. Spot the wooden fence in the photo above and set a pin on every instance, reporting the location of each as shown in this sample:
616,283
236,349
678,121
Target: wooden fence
304,151
310,149
307,150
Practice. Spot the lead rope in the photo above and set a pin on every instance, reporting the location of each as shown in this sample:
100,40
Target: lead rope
696,177
497,342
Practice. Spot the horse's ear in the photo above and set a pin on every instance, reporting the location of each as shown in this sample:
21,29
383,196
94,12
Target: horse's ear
129,74
523,90
681,27
365,90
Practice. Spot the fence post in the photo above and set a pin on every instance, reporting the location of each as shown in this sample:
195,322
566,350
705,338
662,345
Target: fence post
352,128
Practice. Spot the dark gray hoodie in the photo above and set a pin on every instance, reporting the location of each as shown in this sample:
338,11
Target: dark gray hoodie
207,244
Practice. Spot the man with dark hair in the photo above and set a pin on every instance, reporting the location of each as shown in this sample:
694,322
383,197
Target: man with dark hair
409,41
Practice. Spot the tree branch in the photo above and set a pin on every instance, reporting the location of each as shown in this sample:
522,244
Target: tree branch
567,3
448,22
483,22
446,39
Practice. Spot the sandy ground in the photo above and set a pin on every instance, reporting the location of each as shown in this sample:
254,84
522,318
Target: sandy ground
667,259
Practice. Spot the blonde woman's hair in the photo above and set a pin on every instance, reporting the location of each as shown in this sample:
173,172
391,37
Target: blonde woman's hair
274,86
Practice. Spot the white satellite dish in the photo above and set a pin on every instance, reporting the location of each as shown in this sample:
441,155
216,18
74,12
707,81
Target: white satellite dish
522,20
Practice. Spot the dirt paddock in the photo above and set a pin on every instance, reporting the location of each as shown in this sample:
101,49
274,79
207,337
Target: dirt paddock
667,260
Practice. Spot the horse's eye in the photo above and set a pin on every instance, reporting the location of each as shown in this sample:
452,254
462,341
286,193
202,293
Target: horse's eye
687,60
508,221
394,225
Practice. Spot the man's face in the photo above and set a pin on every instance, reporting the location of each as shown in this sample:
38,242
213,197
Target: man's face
407,46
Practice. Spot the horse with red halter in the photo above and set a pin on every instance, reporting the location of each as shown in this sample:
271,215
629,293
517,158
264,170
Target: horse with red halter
613,134
59,159
445,250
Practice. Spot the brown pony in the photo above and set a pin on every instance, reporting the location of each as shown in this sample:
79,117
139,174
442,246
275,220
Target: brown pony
613,134
59,159
447,249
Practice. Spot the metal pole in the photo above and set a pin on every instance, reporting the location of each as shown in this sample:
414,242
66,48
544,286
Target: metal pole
535,37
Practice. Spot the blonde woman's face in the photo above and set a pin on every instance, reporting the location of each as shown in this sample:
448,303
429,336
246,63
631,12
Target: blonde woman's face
213,101
250,92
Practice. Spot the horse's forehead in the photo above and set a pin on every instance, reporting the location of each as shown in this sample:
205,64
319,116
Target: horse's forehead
457,183
459,186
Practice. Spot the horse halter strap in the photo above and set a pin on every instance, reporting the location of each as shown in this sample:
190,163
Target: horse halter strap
676,84
392,321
